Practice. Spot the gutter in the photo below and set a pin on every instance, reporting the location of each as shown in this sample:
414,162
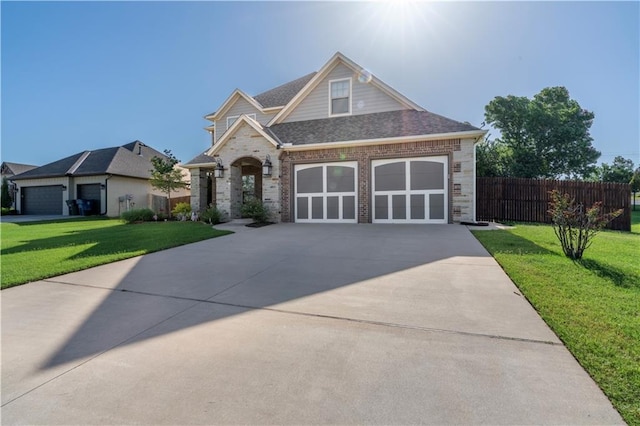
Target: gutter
106,195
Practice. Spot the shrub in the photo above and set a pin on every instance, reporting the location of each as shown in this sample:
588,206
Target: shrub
137,215
212,215
182,211
575,227
256,211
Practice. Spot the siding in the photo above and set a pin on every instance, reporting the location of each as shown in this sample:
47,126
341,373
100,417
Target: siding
241,106
366,98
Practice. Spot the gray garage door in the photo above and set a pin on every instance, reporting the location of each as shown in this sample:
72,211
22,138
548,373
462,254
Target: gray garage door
90,192
41,199
410,190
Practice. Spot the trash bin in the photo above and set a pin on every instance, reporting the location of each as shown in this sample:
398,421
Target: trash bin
83,208
73,207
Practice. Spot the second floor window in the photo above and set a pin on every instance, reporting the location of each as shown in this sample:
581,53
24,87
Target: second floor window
340,92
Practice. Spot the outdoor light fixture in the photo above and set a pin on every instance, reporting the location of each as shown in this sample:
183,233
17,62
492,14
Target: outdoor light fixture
266,166
219,170
64,187
103,186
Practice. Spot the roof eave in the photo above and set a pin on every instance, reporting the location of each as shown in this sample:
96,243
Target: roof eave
383,141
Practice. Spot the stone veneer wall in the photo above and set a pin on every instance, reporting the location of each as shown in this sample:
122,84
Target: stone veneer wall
461,172
247,143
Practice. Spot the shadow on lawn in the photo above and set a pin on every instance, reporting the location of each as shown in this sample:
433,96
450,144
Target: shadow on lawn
616,276
109,240
511,243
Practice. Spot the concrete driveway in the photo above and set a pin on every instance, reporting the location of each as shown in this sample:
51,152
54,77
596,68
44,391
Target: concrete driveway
292,324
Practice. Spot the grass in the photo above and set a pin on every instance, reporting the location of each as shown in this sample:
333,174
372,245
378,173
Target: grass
592,305
38,250
635,221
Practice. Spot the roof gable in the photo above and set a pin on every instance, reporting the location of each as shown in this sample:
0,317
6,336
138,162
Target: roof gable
235,127
228,103
10,169
337,59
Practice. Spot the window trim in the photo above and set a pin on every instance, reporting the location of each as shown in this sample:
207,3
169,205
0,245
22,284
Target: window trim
350,97
235,117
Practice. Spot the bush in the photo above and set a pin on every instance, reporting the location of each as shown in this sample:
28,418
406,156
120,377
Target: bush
256,211
212,215
137,215
575,227
182,211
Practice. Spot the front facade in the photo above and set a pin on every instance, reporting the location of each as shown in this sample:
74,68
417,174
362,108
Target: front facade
342,147
113,179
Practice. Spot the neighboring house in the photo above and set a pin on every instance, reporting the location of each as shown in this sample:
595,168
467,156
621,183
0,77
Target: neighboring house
115,179
8,170
343,147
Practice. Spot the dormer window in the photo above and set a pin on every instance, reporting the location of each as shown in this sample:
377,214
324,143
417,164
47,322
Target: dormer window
232,118
340,97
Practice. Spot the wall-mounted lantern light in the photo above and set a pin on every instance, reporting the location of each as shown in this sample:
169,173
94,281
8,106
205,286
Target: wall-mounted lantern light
103,186
64,187
219,170
266,166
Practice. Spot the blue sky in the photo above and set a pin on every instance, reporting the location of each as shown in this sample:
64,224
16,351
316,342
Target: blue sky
86,75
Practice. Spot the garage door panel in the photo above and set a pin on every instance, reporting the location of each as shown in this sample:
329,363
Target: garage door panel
390,177
325,192
417,206
309,180
436,206
410,190
427,175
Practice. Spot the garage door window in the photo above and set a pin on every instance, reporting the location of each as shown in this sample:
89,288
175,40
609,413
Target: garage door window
410,190
326,192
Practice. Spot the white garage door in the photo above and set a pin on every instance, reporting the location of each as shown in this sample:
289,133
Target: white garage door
326,192
410,190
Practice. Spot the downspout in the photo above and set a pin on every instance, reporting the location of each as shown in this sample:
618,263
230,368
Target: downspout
106,196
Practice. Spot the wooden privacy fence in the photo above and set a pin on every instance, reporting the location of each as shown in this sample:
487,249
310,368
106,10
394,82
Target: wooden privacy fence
158,203
527,200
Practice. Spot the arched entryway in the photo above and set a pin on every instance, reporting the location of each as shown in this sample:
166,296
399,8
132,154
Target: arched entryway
246,183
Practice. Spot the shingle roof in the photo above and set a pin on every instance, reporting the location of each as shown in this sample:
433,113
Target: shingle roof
281,95
368,126
200,159
132,160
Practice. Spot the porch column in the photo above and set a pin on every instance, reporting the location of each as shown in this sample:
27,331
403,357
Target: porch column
198,189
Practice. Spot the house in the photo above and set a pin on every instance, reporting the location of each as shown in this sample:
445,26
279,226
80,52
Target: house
115,180
337,145
8,170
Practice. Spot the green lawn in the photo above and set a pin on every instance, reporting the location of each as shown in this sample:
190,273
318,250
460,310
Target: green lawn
592,305
37,250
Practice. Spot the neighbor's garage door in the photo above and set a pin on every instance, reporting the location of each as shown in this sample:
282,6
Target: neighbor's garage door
90,192
326,192
410,190
41,199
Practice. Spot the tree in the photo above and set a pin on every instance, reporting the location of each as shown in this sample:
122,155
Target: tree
165,176
5,195
576,226
492,159
621,171
544,137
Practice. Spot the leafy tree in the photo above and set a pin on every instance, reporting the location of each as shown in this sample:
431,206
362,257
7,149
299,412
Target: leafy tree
544,137
5,196
165,176
492,159
620,171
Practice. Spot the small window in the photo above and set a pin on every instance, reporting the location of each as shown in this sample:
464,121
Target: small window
232,119
340,93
